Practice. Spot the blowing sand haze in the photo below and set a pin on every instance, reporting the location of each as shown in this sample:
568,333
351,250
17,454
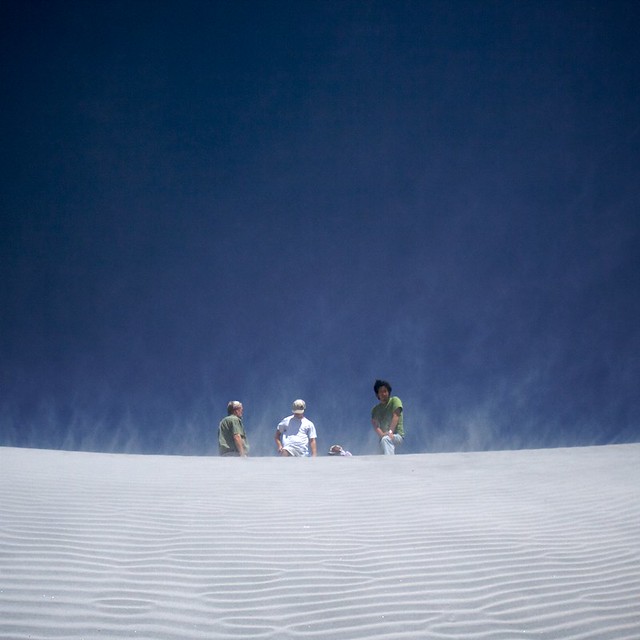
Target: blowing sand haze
526,544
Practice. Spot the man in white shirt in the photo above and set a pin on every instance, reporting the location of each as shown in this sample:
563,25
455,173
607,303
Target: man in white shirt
295,434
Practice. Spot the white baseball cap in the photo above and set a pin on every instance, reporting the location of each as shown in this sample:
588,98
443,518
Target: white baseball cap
298,406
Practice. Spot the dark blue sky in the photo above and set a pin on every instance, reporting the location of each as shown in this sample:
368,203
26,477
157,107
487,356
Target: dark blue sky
206,201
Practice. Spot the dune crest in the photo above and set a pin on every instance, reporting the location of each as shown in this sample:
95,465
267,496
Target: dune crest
542,544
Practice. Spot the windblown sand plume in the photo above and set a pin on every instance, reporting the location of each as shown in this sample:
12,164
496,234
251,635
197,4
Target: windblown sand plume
527,544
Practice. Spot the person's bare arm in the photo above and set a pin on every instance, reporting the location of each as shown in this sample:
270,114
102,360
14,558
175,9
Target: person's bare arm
377,429
237,438
392,426
314,449
395,420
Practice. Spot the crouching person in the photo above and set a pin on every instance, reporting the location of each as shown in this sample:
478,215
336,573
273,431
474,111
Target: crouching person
296,435
386,418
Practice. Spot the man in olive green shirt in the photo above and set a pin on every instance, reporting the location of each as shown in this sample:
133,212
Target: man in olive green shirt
386,418
232,439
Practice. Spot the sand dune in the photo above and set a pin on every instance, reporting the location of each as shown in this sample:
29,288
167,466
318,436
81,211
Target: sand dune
527,544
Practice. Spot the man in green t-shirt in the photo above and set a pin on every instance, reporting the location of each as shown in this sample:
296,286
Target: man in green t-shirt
232,440
386,418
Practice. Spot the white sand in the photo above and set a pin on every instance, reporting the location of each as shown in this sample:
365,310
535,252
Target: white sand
527,544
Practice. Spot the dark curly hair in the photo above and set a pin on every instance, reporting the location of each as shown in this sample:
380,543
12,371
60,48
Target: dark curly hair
381,383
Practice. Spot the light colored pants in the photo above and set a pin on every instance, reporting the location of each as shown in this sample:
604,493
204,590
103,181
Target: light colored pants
388,444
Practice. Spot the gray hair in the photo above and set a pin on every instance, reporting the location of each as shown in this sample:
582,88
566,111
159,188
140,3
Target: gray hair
232,406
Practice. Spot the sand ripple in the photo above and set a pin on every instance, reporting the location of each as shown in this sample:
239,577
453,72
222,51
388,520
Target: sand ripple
530,544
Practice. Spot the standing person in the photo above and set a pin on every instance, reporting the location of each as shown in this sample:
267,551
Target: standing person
232,439
295,434
386,418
